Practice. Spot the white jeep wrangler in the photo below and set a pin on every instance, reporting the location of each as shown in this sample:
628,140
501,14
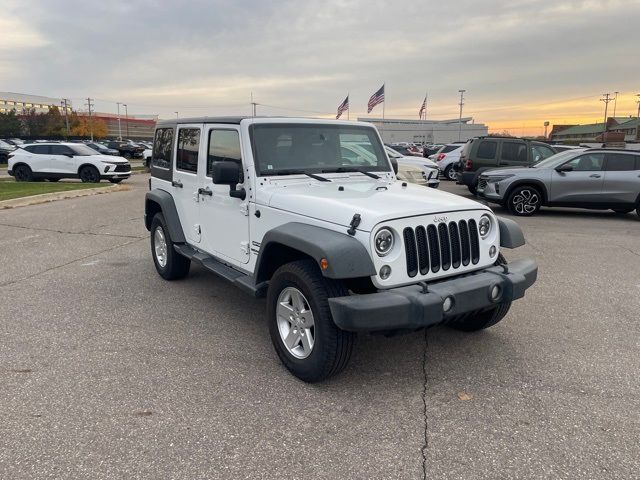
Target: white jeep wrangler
278,207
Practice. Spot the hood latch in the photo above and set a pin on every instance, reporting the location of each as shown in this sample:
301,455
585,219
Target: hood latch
355,221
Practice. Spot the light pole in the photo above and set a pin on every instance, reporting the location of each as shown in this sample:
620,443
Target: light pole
119,126
126,118
460,118
546,124
177,116
615,103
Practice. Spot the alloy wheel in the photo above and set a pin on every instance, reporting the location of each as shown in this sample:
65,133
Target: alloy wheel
160,247
526,201
295,322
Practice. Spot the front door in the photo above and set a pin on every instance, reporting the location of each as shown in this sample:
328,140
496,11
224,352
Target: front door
225,220
581,185
62,160
185,180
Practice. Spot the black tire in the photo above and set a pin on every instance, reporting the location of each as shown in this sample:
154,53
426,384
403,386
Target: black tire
176,266
127,155
332,346
22,173
473,189
622,211
89,174
524,201
54,180
116,180
449,173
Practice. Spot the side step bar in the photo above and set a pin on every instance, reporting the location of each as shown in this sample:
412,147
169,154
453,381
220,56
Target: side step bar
241,280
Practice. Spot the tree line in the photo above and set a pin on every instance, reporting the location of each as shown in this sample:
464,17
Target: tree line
49,125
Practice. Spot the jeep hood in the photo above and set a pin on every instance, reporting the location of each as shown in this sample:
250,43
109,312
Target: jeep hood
375,201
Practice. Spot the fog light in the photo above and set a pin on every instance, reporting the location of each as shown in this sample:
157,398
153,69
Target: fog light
447,305
492,251
385,272
495,292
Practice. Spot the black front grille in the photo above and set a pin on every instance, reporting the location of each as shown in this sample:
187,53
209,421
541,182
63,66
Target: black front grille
446,246
482,183
123,168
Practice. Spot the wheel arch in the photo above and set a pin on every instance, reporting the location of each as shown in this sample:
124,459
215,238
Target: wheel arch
523,183
347,258
87,165
161,201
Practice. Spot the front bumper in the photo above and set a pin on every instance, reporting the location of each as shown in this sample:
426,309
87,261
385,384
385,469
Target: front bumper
488,191
412,307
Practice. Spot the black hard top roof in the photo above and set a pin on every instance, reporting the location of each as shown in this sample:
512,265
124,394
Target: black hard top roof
228,120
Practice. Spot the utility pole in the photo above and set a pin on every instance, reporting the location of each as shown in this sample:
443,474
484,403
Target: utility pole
253,106
607,98
66,115
546,124
119,126
89,105
461,92
638,102
126,117
615,103
177,116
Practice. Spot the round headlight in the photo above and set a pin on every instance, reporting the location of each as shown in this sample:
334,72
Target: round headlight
484,226
383,241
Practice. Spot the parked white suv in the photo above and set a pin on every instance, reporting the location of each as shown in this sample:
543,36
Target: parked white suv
447,157
336,245
53,161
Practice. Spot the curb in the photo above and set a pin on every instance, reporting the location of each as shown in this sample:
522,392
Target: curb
53,197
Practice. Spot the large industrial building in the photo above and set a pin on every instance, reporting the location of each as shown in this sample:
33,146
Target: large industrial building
140,127
395,130
23,103
593,132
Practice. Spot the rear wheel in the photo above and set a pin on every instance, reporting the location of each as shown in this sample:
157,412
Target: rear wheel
524,201
169,263
450,173
89,174
127,155
302,330
23,173
473,188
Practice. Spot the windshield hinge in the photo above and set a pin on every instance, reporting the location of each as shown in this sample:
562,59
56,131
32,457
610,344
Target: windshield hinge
355,221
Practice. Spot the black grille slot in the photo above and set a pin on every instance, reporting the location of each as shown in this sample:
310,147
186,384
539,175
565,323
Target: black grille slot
464,243
411,252
475,242
122,168
454,238
423,250
445,248
434,248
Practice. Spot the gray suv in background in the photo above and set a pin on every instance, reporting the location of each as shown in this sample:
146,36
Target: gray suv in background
594,178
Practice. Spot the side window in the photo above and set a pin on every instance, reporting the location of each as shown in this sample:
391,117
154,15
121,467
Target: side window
620,162
637,162
162,148
224,145
540,152
187,151
514,151
487,149
40,149
60,150
590,162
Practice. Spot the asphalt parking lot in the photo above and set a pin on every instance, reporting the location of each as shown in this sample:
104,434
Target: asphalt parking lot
107,371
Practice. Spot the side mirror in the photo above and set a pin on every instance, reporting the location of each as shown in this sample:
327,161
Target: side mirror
228,173
70,155
394,164
564,168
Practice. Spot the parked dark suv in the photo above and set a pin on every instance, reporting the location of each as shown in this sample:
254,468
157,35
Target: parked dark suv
482,153
126,150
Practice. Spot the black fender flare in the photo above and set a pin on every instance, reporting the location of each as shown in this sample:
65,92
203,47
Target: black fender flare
346,256
167,206
511,235
534,183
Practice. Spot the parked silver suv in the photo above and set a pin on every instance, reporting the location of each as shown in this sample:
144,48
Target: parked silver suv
594,178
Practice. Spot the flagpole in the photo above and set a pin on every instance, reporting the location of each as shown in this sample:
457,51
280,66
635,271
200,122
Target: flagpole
348,106
383,104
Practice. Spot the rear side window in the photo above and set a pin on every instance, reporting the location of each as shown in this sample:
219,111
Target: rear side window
619,162
487,149
514,151
224,145
162,148
60,150
187,151
540,152
449,148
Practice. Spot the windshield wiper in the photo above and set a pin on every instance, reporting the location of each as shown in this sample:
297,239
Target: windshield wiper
352,170
301,172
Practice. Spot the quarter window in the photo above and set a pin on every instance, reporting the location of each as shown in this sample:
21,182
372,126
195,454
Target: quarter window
540,152
515,152
619,162
187,152
224,145
162,148
487,149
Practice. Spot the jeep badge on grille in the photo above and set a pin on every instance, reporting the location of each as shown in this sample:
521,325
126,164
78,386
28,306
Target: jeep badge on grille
440,219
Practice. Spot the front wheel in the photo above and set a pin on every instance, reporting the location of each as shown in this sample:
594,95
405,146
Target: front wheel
170,265
524,201
302,330
89,174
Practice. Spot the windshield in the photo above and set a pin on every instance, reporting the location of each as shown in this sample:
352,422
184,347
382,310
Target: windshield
557,159
320,148
82,150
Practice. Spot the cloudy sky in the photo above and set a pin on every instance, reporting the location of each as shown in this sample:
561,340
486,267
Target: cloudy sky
521,61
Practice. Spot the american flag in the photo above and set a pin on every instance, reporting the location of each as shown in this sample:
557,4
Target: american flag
423,108
343,107
376,99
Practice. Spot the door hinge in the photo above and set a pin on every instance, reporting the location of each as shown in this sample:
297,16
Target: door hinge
244,209
244,247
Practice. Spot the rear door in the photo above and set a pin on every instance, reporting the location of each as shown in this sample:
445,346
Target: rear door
513,153
185,179
39,160
582,185
621,177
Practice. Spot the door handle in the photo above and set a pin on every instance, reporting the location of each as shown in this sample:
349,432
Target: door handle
205,191
594,175
176,183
